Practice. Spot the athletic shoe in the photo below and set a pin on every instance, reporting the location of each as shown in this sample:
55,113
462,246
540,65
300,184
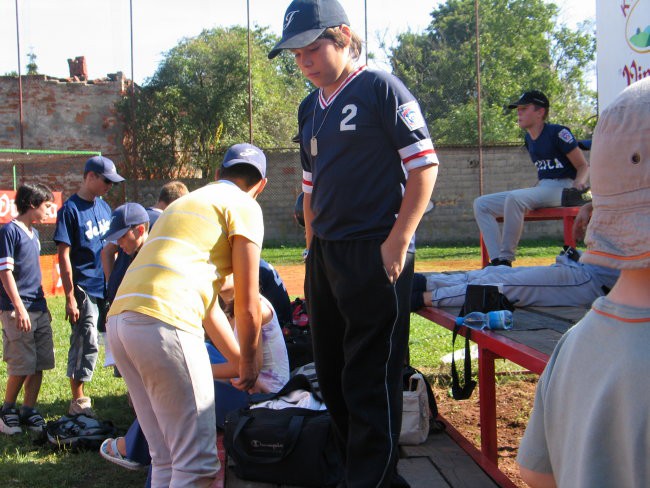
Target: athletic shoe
10,422
33,420
500,262
81,406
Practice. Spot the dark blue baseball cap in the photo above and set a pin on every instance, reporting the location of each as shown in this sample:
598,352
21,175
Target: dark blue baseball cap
306,20
123,218
103,166
533,97
245,154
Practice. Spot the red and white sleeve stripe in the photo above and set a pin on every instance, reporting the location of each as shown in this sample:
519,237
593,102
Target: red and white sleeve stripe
418,154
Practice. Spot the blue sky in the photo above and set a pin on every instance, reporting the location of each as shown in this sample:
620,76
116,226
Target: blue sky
56,30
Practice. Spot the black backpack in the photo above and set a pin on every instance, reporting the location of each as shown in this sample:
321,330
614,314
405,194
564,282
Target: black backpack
78,432
297,335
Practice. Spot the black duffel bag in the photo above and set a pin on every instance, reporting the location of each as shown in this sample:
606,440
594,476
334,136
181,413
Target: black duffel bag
289,446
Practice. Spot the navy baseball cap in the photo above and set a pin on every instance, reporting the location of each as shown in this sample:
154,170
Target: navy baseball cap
103,166
306,20
245,154
123,217
534,97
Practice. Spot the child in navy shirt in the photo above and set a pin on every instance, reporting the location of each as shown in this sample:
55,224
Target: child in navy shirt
79,235
560,164
369,168
27,345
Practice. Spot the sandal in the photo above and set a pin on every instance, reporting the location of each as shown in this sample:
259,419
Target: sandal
115,457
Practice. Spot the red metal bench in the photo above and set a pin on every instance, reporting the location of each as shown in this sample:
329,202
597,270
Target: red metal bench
567,214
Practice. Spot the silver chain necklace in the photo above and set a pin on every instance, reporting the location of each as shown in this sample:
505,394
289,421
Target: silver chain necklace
313,143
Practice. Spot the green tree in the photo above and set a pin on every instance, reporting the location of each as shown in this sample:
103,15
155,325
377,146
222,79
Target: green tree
32,67
196,103
522,47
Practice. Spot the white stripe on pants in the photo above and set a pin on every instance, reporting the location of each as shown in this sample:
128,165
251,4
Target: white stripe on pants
170,382
512,205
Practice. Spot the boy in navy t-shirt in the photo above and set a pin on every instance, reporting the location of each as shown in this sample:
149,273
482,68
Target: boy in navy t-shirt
27,343
79,235
560,164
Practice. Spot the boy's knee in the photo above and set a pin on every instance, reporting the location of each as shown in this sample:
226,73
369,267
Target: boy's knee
479,204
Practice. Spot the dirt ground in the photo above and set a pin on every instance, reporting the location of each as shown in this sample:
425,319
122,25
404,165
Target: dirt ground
514,397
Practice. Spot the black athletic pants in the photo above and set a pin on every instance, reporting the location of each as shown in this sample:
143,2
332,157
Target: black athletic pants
360,327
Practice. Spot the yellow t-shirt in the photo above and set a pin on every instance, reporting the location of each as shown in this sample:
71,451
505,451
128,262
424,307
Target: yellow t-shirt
181,267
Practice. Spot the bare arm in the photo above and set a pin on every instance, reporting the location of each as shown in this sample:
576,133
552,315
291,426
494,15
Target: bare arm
109,252
417,194
9,284
581,221
248,314
65,269
230,348
582,167
309,216
537,480
220,332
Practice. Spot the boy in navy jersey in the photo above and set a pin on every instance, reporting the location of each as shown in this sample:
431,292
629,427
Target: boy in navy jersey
369,168
81,224
560,164
27,345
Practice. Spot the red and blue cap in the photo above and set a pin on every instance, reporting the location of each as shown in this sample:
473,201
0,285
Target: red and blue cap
306,20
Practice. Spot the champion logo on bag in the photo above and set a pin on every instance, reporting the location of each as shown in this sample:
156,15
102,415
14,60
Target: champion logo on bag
278,446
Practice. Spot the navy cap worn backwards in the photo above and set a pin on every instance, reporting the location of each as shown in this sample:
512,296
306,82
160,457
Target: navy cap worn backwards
123,217
534,97
306,20
245,154
103,166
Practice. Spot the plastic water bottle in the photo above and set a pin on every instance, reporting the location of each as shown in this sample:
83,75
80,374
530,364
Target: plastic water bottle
497,319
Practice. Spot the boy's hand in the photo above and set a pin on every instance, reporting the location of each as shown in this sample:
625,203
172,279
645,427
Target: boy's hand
71,311
393,256
22,320
248,373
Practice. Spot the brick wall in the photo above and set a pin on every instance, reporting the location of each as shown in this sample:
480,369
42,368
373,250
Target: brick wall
60,115
81,116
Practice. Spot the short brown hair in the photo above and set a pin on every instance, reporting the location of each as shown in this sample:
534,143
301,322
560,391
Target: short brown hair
335,35
172,191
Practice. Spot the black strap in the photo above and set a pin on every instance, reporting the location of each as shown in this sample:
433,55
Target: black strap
289,443
465,392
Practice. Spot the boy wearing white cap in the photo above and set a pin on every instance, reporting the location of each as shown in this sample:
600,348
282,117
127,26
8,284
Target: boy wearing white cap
589,425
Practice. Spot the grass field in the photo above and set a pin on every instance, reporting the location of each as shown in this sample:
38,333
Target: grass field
26,463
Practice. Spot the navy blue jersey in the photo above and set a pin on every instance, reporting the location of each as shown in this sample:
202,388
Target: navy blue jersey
123,260
549,151
273,289
122,263
369,134
82,225
19,253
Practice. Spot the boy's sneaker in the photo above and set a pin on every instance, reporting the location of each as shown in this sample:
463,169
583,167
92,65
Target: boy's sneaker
33,420
10,422
81,406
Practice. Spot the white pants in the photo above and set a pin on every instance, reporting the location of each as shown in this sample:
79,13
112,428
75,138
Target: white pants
169,378
563,284
512,205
